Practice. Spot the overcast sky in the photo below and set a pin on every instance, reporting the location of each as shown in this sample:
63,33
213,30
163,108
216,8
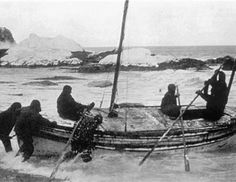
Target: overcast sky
149,22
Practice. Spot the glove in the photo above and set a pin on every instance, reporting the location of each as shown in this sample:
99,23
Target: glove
207,82
177,95
91,106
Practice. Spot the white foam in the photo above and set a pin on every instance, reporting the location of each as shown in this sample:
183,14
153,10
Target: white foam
137,57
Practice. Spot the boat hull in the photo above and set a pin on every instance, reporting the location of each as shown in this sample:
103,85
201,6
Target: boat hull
51,141
145,126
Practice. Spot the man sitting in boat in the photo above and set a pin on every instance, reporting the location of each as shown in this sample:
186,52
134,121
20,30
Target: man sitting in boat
7,122
169,104
217,100
28,124
68,108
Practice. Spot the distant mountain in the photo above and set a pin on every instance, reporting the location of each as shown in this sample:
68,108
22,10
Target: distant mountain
46,43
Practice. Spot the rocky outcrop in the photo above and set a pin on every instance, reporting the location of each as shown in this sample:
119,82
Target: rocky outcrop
6,36
227,62
93,68
184,63
99,56
91,57
219,60
6,41
81,55
3,52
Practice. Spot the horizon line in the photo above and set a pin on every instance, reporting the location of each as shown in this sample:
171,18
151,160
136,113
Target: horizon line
163,46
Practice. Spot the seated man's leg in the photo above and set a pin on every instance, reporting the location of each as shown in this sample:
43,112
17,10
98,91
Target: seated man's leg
172,111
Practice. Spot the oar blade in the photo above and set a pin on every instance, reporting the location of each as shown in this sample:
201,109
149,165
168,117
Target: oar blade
186,163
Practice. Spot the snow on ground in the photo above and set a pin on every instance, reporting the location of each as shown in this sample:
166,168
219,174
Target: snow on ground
137,57
42,51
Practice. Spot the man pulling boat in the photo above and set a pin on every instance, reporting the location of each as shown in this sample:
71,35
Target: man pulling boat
7,122
28,124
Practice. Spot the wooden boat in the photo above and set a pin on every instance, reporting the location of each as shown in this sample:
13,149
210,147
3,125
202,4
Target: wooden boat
138,128
143,132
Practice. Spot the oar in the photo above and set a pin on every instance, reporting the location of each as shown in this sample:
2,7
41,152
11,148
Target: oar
231,78
64,150
186,161
177,119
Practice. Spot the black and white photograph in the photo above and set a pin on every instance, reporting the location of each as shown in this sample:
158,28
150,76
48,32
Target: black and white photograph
117,90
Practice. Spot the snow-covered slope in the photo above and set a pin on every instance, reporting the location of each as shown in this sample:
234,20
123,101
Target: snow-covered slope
42,51
137,57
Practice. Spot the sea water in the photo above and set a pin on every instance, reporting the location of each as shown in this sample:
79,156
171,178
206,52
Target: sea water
17,84
197,52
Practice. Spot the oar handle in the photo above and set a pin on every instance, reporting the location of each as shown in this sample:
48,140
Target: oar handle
178,96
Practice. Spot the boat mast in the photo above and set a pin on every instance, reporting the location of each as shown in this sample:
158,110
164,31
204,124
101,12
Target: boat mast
231,77
117,69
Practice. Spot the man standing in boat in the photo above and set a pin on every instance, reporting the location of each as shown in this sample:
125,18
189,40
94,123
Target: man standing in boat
217,100
28,124
7,122
68,108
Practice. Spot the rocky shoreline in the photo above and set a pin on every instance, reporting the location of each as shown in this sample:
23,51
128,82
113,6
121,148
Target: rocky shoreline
90,63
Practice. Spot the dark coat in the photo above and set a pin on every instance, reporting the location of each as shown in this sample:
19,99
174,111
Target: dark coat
8,120
169,105
27,125
29,122
216,101
68,108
